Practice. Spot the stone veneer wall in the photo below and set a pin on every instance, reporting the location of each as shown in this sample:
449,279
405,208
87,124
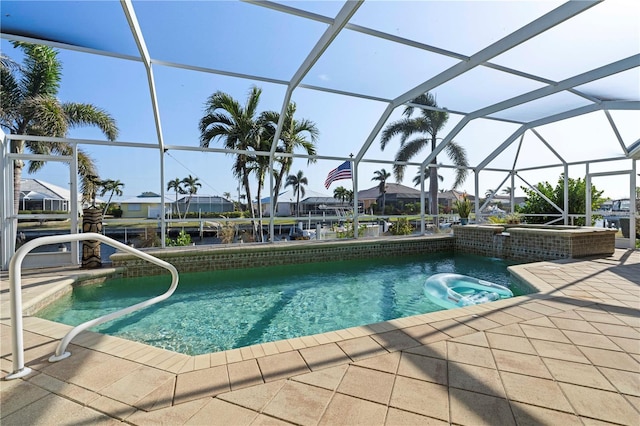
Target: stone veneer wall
209,258
534,243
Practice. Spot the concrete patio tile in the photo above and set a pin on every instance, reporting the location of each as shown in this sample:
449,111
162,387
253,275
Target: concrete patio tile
328,378
468,354
502,317
387,363
137,384
433,350
247,353
367,384
257,350
477,322
346,410
244,374
452,328
264,420
540,322
423,368
282,366
299,403
201,361
283,345
217,358
477,339
420,397
573,325
567,315
68,390
170,416
598,317
589,339
508,330
576,373
626,382
189,365
535,391
541,308
17,394
56,410
529,415
397,417
395,340
255,397
470,408
361,348
112,407
522,313
475,379
324,356
558,351
90,369
514,362
613,359
160,397
218,412
599,404
425,334
201,384
544,333
510,343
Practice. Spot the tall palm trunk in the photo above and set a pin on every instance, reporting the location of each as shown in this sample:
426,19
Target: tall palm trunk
433,182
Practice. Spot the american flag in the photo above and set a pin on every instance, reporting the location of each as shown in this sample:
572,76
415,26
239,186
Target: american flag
343,171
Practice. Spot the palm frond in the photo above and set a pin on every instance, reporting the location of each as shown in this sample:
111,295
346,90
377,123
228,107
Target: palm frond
80,114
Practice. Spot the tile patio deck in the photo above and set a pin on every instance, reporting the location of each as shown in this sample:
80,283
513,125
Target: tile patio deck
569,354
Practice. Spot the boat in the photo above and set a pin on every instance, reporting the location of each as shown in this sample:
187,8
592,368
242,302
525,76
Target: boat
455,290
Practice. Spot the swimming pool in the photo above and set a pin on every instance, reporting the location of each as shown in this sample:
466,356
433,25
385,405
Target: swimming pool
220,310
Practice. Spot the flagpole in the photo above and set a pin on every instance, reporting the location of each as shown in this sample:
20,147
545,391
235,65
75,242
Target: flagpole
354,179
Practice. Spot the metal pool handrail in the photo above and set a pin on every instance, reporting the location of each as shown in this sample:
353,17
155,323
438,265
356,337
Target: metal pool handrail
15,278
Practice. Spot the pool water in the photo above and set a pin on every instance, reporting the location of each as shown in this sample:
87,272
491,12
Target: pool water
220,310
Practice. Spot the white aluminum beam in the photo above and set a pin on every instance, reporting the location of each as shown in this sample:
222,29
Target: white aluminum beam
587,77
132,19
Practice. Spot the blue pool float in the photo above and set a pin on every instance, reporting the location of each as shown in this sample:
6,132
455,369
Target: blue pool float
455,290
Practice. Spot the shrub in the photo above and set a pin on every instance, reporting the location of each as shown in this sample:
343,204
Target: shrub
401,227
183,239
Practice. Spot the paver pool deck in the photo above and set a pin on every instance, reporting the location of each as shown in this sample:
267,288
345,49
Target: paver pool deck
569,354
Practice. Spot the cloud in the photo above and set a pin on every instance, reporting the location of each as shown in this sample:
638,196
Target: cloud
324,77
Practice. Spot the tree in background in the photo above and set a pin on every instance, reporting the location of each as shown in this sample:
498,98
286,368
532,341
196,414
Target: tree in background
427,125
381,176
340,193
113,187
417,177
297,182
29,106
535,204
237,127
191,186
176,185
295,135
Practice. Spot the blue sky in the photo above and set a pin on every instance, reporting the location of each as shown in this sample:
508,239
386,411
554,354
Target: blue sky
243,38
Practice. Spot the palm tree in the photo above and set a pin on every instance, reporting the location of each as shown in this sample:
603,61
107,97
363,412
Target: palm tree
426,127
296,182
417,177
237,127
295,134
507,190
191,186
113,186
381,176
176,185
29,106
340,193
490,193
